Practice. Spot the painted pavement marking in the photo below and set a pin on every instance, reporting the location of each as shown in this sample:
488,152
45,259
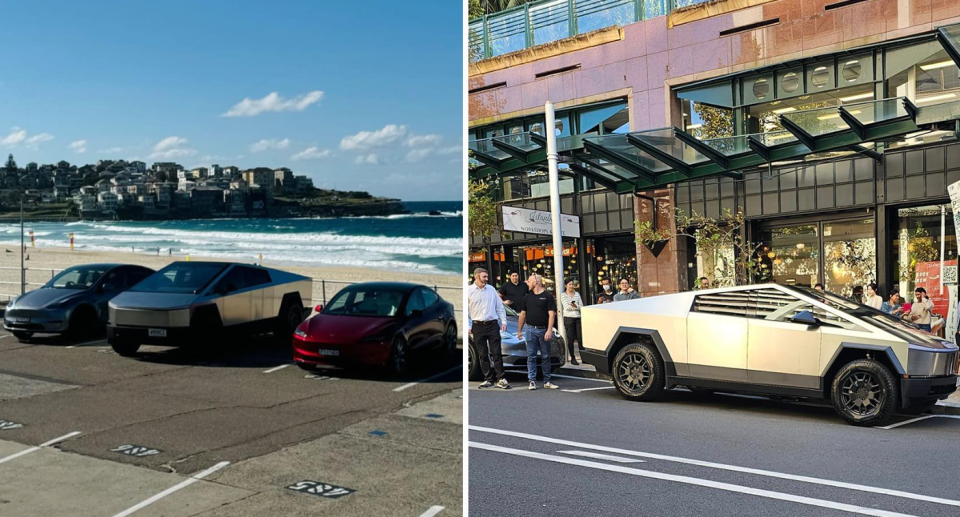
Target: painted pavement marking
34,449
590,389
919,418
598,456
433,510
136,450
428,379
282,366
185,483
321,489
87,343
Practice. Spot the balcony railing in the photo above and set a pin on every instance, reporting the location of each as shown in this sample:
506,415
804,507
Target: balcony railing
541,22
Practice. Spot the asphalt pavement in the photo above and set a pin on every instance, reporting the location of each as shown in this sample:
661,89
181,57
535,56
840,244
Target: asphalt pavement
583,450
239,432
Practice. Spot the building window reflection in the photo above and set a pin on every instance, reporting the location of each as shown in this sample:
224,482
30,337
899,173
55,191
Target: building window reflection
917,245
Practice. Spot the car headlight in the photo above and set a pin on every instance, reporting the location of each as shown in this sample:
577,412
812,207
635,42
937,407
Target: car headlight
12,302
300,333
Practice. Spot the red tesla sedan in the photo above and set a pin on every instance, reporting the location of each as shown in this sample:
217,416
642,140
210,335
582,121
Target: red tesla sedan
376,324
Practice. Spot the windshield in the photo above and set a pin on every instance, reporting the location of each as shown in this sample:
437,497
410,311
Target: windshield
80,277
360,301
180,277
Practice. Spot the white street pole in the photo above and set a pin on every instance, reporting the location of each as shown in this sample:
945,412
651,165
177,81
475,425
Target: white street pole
23,249
943,241
555,213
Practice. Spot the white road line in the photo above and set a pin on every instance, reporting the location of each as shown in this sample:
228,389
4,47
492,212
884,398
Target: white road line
598,456
428,379
6,335
34,449
822,503
282,366
88,343
185,483
590,389
919,418
432,511
722,466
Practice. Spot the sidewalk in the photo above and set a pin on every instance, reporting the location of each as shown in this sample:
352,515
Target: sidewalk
950,406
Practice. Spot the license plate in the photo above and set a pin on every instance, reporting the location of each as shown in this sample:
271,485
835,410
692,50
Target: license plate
157,332
328,352
22,319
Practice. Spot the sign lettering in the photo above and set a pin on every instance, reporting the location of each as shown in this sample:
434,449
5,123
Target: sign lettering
518,219
136,450
321,489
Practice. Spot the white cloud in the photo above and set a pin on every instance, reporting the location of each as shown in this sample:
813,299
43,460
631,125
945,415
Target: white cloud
453,149
111,150
273,102
171,147
371,139
417,155
419,140
311,153
80,146
367,159
42,137
271,143
16,136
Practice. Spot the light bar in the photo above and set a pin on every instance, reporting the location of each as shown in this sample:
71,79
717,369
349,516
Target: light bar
936,98
857,97
939,64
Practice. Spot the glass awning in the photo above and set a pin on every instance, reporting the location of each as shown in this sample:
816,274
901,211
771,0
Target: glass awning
642,160
949,37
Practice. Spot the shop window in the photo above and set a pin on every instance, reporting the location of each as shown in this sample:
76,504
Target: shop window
790,255
917,245
605,120
705,122
924,73
764,118
850,255
609,257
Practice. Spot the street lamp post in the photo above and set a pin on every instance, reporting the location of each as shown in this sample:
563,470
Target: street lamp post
23,248
555,212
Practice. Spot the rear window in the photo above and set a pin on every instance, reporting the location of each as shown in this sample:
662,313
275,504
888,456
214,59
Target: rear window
180,277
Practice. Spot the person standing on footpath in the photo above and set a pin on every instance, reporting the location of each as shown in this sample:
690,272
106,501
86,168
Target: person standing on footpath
873,298
485,311
512,291
626,292
921,309
571,302
539,310
704,283
605,296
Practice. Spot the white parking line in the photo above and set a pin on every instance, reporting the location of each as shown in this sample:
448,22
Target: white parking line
432,511
919,418
598,456
6,335
590,389
88,343
185,483
282,366
428,379
722,466
34,449
822,503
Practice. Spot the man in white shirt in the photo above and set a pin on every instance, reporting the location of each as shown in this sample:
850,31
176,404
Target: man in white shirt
484,312
921,309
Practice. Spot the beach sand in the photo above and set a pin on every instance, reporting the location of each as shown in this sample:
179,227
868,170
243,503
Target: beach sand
43,260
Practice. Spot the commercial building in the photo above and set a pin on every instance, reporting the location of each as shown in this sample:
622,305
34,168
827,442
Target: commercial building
831,125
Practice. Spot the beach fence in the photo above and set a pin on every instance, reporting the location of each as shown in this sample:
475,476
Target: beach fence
323,290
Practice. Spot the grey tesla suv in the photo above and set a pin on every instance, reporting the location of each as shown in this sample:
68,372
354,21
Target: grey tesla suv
73,302
514,351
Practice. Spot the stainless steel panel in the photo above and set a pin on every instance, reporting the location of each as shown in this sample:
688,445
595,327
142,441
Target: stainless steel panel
715,341
922,363
149,317
783,351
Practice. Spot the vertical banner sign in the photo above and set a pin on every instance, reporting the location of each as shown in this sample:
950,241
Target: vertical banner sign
71,242
952,323
33,242
928,277
516,219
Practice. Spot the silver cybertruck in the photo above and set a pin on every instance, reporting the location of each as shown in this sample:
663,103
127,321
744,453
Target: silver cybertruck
205,303
771,340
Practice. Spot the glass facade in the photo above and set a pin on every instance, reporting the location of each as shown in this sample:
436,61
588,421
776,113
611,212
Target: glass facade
922,232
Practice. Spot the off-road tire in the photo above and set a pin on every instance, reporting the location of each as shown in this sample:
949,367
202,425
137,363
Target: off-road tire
638,372
290,317
125,348
860,377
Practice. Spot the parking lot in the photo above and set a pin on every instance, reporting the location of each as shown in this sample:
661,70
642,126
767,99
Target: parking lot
241,431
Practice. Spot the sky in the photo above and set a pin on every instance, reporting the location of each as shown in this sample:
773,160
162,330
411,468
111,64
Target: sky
357,95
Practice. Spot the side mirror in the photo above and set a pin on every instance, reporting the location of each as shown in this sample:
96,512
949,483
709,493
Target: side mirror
805,318
318,308
107,288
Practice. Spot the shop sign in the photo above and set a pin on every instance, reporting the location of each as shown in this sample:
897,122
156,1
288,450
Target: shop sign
478,257
952,323
518,219
928,277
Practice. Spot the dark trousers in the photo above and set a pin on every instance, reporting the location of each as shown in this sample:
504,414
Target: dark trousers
574,331
486,337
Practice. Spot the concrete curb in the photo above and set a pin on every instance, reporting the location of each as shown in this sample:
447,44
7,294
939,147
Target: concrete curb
942,408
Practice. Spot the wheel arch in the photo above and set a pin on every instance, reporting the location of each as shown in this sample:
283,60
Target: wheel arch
848,352
209,310
627,335
291,297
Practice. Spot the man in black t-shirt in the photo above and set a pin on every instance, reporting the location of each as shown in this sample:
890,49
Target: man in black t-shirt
538,310
512,291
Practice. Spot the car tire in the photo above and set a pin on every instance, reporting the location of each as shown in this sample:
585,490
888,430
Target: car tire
22,335
450,340
864,393
638,372
206,330
83,324
397,363
291,316
473,365
126,349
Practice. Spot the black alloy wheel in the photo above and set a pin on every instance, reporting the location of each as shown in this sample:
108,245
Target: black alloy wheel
638,372
398,356
450,338
864,393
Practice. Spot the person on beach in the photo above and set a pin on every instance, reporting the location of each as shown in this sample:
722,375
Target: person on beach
538,311
571,302
512,291
484,311
626,292
605,296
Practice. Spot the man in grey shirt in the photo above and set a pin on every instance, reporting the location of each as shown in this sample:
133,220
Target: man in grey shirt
626,293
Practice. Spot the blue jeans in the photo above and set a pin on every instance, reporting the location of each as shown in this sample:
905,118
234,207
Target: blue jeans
924,326
537,343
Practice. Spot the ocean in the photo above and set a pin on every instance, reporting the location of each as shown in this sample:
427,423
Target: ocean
416,242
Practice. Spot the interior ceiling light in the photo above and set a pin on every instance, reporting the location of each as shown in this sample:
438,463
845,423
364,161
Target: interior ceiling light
868,95
784,110
694,126
938,64
936,98
837,115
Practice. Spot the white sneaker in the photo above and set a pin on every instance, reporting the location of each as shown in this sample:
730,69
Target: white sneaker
533,385
550,385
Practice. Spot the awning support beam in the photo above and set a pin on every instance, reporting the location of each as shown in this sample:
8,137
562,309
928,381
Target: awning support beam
665,157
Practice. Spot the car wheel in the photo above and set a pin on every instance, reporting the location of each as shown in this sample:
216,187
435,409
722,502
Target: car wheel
126,349
864,393
290,318
473,366
83,324
638,372
450,339
22,335
398,356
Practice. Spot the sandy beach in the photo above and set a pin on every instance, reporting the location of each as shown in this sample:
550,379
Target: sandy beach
43,260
